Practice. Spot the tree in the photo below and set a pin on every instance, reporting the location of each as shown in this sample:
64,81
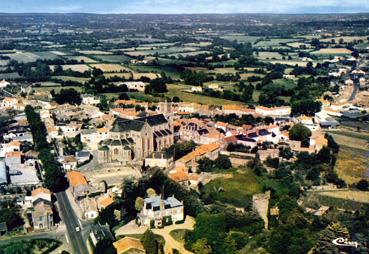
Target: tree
139,203
149,242
363,185
104,105
205,165
97,72
300,133
201,246
211,227
158,85
151,192
105,246
223,162
324,155
70,96
247,92
306,107
54,177
176,99
229,245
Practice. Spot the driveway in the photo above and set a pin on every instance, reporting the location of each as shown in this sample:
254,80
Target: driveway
170,242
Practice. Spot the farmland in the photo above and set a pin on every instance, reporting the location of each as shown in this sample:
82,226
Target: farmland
110,67
352,163
74,67
179,90
229,105
84,59
333,51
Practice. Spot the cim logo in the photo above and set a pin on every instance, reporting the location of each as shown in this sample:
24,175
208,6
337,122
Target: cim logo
344,242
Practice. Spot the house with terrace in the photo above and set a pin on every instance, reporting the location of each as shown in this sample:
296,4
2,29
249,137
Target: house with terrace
158,212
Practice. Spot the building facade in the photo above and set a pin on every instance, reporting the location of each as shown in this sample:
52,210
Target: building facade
157,212
133,140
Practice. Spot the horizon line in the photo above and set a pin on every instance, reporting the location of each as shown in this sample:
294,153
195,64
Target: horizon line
192,13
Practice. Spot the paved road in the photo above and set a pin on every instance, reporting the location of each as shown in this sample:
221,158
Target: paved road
70,219
354,92
57,235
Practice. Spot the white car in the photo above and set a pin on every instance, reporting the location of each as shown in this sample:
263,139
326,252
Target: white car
78,229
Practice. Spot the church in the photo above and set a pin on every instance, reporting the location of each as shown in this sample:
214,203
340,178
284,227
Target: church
131,141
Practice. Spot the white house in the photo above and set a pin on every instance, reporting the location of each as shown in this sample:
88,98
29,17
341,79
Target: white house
89,207
92,137
134,85
89,99
215,87
4,83
274,111
157,212
9,103
196,89
69,162
70,130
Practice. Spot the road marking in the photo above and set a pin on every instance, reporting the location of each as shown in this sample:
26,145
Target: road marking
66,236
80,224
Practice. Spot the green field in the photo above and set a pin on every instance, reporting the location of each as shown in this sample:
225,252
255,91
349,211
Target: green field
162,51
241,38
273,42
65,78
174,73
46,55
269,55
10,75
112,58
24,57
56,88
178,90
235,190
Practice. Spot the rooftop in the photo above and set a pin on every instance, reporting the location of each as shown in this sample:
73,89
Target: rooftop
76,178
128,243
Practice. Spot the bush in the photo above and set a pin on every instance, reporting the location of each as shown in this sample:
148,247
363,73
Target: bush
300,133
362,185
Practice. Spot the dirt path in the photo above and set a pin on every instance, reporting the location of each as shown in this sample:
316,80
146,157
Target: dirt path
170,242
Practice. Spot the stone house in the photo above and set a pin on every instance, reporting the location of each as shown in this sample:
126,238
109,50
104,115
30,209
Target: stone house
41,211
78,184
157,212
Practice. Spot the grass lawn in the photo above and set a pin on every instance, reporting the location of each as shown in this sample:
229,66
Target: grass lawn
174,73
65,78
285,82
269,55
273,42
142,97
178,90
23,56
356,196
112,58
57,88
241,38
352,161
344,199
179,234
236,190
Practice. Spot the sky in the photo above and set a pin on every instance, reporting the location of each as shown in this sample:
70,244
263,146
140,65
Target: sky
185,6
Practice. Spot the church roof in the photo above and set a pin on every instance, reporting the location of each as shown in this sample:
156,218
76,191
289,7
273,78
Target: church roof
122,125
